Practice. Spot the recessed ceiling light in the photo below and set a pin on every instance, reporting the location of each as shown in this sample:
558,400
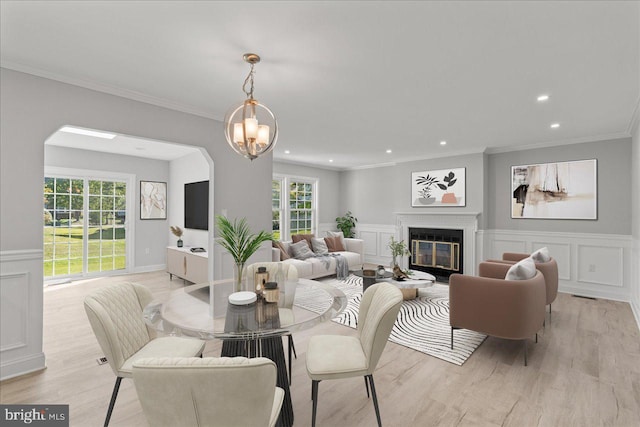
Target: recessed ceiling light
389,151
443,142
555,125
543,98
287,152
88,132
330,160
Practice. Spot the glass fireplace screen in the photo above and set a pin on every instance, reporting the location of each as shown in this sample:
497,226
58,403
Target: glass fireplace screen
428,253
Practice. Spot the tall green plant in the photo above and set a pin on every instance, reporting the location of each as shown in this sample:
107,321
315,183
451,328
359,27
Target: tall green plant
346,224
237,239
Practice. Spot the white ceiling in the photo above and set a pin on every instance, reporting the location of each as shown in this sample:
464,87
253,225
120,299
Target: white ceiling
349,80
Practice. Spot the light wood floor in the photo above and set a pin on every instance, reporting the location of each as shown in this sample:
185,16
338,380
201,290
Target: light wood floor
585,371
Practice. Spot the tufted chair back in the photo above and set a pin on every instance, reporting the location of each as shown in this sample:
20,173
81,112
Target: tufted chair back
115,314
291,279
225,391
379,309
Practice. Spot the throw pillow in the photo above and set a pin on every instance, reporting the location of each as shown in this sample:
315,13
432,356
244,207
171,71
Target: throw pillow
297,237
334,244
319,246
522,270
283,252
339,234
541,255
301,250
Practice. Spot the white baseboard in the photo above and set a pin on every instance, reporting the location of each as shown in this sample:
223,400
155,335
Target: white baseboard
149,268
22,366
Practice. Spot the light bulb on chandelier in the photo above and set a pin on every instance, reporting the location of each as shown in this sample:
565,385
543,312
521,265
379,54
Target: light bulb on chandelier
250,128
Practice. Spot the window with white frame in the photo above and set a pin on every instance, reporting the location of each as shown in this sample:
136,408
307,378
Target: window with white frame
295,211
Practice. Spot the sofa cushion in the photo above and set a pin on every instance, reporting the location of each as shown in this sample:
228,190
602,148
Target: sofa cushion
319,246
297,237
301,250
541,255
284,254
339,234
522,270
334,244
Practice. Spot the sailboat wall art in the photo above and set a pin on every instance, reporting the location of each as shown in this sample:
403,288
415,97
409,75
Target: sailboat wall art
562,190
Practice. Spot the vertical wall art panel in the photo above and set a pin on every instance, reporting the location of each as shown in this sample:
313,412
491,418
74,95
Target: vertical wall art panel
562,190
444,187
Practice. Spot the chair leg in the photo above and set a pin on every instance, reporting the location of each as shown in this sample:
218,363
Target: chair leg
375,399
293,347
536,338
366,384
290,364
549,313
452,338
116,387
525,352
314,398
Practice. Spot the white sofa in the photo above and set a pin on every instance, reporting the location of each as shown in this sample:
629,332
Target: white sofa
312,268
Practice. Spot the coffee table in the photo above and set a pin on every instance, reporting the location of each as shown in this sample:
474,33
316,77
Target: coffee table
370,279
412,286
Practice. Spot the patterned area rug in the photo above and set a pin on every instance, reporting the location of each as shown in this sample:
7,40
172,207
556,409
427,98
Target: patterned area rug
422,324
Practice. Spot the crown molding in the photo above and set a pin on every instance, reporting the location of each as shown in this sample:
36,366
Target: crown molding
618,135
111,90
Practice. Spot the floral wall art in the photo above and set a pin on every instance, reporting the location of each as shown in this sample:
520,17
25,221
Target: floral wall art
562,190
444,187
153,200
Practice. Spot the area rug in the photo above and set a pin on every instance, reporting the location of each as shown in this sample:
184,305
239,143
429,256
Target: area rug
422,324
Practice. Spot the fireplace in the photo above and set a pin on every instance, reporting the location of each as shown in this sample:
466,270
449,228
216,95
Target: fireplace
438,251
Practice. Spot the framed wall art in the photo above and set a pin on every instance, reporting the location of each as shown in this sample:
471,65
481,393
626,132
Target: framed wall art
153,200
561,190
444,187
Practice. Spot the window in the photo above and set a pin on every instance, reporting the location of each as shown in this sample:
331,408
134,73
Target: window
85,224
295,213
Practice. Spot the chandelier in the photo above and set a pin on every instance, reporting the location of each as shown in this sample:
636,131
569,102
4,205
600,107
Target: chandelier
250,128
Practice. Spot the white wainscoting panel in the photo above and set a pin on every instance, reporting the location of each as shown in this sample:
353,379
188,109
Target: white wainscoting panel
21,295
594,265
376,239
591,257
635,281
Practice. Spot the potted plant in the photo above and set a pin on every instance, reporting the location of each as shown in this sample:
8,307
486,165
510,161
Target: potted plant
428,181
449,180
177,231
398,249
237,239
346,224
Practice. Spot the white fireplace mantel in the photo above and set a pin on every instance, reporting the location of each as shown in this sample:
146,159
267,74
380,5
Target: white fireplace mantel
465,221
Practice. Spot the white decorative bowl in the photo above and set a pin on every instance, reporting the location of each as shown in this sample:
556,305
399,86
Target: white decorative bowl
242,298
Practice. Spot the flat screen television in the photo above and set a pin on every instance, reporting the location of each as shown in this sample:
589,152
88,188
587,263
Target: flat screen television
196,205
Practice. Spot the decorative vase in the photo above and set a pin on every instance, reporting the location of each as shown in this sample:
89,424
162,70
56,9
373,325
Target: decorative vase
449,198
239,277
180,243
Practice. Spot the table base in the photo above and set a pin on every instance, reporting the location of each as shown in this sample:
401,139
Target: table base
273,349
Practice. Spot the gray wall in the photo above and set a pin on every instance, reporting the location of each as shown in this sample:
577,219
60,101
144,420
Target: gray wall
33,108
328,192
635,225
148,234
373,195
614,186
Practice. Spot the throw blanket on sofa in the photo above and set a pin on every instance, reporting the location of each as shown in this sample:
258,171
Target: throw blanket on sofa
342,265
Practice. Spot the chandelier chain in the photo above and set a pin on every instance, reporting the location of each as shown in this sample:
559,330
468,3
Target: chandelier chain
249,79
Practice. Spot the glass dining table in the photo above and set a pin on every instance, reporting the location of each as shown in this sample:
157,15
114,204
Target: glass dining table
203,311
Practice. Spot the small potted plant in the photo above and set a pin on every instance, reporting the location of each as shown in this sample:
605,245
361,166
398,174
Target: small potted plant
237,239
398,249
449,180
346,224
177,231
428,181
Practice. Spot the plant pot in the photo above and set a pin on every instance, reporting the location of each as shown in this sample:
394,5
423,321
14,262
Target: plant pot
449,198
426,201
